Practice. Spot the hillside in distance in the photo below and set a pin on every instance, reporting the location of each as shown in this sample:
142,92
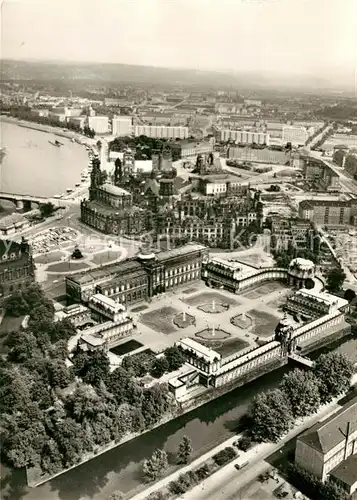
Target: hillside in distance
124,73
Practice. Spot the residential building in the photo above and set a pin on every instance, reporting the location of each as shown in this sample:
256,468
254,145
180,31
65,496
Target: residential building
78,120
100,124
122,126
326,446
139,278
40,112
161,132
16,266
243,137
345,475
297,136
329,212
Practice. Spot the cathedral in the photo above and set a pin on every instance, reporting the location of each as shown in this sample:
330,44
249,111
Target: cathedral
110,208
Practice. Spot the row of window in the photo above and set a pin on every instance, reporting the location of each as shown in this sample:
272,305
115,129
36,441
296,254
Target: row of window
182,269
182,279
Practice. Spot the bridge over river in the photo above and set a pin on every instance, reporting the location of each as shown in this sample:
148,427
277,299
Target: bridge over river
26,201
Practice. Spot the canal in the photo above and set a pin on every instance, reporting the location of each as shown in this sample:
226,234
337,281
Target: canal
119,469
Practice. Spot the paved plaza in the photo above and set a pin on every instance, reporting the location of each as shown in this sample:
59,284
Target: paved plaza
156,329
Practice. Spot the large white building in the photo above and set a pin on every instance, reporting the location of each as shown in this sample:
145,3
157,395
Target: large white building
122,126
161,131
243,137
100,124
298,136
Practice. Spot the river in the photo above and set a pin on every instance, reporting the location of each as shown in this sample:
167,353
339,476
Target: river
31,165
119,468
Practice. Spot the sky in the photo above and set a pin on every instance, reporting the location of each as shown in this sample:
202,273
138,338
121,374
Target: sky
312,37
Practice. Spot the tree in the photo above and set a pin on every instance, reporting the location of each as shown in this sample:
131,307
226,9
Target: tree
184,450
334,372
92,367
271,416
302,390
154,467
47,209
335,279
160,366
175,358
16,305
349,295
62,330
59,374
23,346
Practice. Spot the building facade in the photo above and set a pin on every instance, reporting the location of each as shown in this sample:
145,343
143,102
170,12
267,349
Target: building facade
17,268
122,126
100,124
243,137
188,149
140,278
110,208
297,136
161,131
327,444
328,212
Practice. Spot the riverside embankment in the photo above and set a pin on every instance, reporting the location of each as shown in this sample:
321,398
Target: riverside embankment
119,469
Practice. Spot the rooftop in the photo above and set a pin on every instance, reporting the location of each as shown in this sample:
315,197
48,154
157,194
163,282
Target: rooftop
209,354
328,298
106,301
323,203
115,190
11,220
177,252
346,471
324,436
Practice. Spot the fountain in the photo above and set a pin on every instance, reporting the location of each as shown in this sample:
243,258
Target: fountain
184,316
213,331
213,305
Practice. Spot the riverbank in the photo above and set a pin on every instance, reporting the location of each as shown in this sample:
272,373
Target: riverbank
30,150
256,453
35,479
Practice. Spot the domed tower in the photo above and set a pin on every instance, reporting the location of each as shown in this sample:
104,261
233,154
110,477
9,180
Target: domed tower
299,271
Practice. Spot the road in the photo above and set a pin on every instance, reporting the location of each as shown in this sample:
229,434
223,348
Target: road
228,481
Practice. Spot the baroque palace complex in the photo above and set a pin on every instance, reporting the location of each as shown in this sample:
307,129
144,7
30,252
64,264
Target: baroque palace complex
108,291
208,209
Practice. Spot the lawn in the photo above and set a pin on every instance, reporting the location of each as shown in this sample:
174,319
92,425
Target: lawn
104,257
64,267
126,347
208,297
263,323
48,258
160,320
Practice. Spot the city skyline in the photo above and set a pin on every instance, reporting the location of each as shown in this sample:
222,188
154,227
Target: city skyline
306,38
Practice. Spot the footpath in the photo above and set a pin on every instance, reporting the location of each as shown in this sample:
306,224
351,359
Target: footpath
211,487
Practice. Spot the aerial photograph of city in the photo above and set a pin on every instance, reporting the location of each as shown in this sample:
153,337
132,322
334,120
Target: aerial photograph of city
178,250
